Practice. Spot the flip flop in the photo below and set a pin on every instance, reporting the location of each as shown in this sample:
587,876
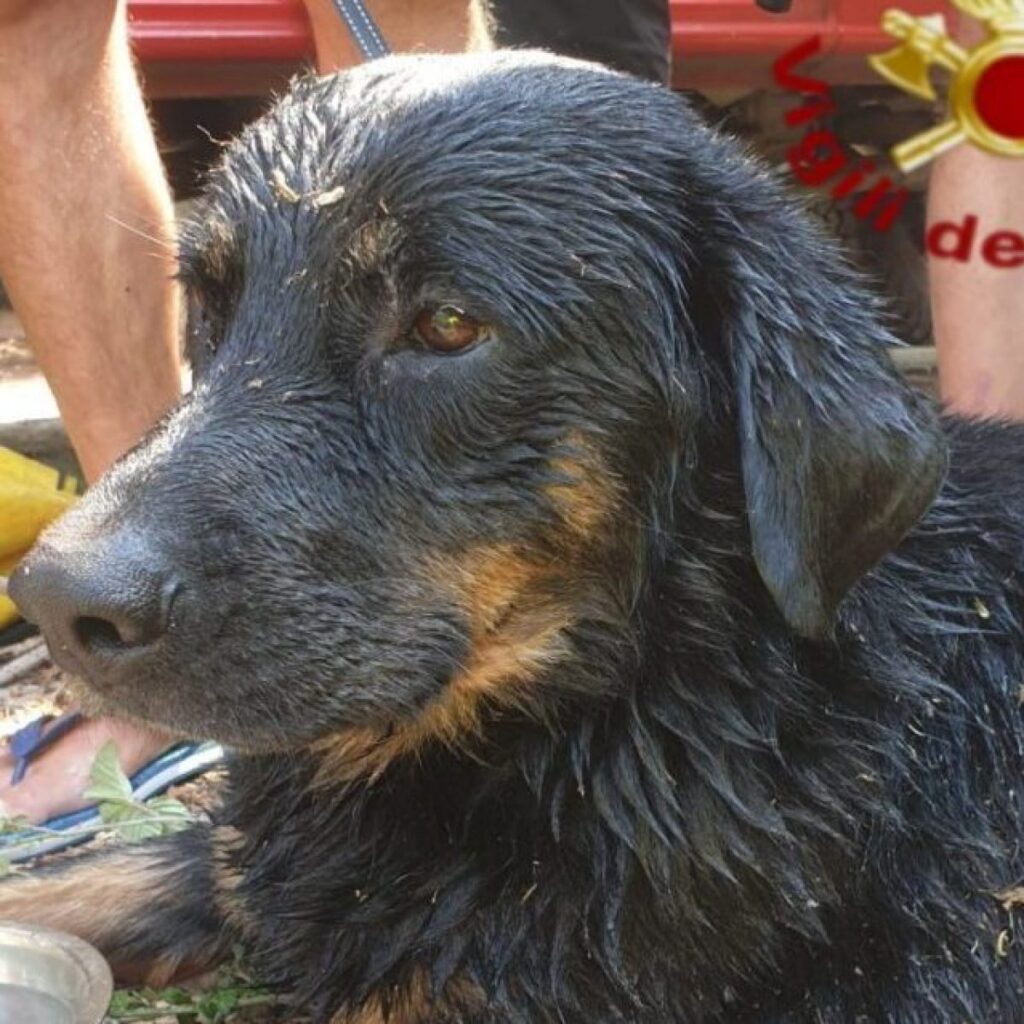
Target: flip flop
180,763
31,740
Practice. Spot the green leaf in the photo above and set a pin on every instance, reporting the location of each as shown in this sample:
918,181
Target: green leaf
168,807
132,822
148,1004
173,996
108,781
215,1007
123,1001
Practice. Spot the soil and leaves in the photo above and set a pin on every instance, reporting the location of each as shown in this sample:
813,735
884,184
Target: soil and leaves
230,996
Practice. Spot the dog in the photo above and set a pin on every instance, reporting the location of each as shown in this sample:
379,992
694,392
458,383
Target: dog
603,631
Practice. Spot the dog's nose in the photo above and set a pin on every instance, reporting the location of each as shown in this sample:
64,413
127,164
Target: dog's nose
94,608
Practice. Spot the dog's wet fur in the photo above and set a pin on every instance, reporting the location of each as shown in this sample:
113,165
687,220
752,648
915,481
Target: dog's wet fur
658,658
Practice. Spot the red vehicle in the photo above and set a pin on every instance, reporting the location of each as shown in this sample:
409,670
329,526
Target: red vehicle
211,63
203,48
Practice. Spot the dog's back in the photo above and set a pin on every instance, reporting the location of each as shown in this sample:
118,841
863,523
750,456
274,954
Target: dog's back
929,665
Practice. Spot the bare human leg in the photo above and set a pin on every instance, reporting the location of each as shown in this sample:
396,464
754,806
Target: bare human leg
81,184
977,308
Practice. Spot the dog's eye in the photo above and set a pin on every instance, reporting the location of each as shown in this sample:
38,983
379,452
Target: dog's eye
448,329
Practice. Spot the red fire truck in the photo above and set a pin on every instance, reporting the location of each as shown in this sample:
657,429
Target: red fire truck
204,48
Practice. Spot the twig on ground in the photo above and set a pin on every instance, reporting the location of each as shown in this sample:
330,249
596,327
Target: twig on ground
11,651
40,832
22,665
156,1012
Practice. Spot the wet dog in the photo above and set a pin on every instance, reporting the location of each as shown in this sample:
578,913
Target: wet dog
604,631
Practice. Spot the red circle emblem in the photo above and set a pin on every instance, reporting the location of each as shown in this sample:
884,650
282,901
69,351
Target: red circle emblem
999,97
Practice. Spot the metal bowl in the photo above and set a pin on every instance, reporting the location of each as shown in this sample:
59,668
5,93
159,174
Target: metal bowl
47,977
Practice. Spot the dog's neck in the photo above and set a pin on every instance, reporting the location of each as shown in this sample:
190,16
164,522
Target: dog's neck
659,785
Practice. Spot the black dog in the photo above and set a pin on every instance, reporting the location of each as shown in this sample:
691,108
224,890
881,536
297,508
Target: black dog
537,532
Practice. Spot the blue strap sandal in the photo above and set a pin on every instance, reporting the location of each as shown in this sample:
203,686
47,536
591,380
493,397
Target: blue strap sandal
180,763
30,740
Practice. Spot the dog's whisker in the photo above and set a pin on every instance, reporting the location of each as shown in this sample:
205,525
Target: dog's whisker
166,245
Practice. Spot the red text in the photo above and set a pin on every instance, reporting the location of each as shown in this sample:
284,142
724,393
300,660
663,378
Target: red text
957,241
819,158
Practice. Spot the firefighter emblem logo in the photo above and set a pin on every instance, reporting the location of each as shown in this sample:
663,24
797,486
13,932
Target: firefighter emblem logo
986,93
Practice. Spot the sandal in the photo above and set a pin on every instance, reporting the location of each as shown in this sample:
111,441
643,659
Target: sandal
30,740
180,763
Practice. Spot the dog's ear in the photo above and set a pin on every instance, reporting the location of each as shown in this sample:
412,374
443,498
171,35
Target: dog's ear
840,457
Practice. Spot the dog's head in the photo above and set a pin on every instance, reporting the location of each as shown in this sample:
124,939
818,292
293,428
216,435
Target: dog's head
461,328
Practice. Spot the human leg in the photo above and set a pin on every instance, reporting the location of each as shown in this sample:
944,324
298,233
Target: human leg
978,308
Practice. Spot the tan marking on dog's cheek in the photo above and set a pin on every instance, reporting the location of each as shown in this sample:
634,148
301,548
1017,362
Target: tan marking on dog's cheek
516,631
587,500
498,673
488,581
516,600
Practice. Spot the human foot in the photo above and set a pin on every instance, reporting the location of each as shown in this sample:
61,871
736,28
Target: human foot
57,777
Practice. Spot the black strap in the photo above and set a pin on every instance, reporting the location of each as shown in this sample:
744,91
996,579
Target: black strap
362,28
370,40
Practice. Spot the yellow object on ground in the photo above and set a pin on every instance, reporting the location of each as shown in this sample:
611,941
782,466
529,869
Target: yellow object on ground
31,495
